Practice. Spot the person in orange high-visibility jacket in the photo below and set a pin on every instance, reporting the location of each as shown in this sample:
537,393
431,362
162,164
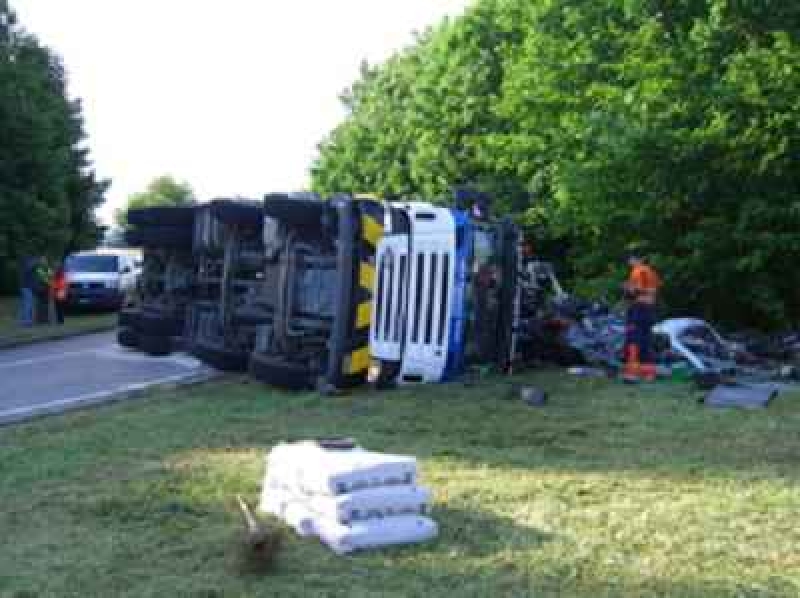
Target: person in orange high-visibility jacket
641,290
58,293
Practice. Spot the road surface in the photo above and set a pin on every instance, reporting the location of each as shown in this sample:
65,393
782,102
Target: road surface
60,375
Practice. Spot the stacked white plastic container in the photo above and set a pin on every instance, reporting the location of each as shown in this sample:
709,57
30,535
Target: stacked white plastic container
351,499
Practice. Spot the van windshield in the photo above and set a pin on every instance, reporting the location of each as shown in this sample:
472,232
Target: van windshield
92,263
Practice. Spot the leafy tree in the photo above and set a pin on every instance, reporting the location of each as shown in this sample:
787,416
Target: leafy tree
667,125
48,187
162,191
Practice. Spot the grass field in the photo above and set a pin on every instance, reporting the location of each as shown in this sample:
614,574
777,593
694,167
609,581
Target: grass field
607,491
12,333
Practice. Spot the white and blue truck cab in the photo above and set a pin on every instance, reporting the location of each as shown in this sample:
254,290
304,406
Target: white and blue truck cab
444,296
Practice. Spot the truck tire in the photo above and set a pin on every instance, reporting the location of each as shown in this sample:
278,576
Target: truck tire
157,346
221,359
182,216
160,324
161,237
240,213
281,373
127,337
128,317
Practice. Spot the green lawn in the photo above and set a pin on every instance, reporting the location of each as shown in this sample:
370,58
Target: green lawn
12,333
608,491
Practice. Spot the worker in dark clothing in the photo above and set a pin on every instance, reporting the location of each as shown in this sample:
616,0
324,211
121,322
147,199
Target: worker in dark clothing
641,291
26,284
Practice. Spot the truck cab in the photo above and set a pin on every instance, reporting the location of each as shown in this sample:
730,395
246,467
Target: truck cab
445,295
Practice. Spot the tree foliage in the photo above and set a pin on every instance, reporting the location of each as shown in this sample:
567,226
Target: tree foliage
48,188
162,191
671,126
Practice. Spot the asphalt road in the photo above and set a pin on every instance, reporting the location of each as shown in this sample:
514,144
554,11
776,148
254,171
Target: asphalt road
60,375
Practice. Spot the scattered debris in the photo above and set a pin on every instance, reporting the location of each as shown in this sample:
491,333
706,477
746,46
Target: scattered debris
744,396
535,397
590,337
695,341
708,380
587,372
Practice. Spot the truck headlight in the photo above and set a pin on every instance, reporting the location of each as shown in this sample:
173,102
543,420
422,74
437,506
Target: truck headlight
374,371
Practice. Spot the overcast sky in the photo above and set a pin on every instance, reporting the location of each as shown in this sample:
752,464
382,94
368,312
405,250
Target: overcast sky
231,96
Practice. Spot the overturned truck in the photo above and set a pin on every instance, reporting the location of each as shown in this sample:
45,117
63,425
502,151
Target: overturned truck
446,295
306,293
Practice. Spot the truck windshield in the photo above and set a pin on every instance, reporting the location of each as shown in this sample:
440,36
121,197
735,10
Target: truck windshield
92,263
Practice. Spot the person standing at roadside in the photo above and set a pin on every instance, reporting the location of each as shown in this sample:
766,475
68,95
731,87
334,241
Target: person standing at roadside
641,290
41,291
26,284
58,293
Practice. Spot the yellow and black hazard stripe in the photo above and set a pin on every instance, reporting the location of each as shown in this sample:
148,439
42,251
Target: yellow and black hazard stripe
356,362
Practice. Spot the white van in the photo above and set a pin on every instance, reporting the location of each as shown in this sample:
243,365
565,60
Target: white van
101,278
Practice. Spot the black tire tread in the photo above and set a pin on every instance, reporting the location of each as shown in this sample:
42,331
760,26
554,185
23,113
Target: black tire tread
162,215
157,346
281,373
127,337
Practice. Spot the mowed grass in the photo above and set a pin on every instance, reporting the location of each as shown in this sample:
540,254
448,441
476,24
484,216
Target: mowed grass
607,491
12,333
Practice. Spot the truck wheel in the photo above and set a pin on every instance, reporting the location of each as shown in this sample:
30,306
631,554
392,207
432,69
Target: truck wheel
221,359
240,213
157,346
161,237
162,216
128,317
127,337
281,373
160,324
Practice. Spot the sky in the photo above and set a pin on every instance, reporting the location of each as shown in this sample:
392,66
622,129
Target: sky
232,96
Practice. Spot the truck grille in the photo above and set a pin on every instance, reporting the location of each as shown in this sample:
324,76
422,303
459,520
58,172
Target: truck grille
389,302
429,298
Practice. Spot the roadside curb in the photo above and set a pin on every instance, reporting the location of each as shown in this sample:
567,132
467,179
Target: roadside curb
130,392
59,337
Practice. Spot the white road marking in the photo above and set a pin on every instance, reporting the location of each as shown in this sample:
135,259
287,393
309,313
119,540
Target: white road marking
45,359
24,412
121,353
112,352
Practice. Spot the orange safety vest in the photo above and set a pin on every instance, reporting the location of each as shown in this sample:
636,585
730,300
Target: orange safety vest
644,282
58,287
